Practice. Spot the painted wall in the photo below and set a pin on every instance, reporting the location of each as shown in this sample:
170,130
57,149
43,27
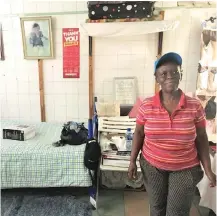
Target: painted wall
67,99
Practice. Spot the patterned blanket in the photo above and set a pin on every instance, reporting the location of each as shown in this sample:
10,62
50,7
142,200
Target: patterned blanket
36,163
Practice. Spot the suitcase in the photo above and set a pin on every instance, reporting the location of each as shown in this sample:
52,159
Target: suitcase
120,9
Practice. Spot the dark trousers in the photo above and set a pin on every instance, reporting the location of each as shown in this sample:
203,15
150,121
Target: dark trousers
170,192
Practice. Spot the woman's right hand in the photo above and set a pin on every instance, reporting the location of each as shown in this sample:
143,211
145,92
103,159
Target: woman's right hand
132,171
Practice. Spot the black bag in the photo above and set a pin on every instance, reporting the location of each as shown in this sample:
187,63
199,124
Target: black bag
120,9
92,155
72,134
210,109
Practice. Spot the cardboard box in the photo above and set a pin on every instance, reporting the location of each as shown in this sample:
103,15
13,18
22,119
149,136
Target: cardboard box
19,132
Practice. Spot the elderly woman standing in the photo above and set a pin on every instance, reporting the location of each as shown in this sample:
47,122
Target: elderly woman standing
171,134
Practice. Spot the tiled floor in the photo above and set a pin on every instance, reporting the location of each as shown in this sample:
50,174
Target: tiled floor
136,203
117,202
120,203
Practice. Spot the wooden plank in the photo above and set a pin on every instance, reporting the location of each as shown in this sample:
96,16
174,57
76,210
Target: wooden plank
114,131
91,83
41,90
111,124
117,125
196,4
118,119
121,127
159,51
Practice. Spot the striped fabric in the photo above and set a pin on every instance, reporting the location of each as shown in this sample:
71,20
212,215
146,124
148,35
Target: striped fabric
170,140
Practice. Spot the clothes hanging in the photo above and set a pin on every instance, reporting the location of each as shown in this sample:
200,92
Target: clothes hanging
207,70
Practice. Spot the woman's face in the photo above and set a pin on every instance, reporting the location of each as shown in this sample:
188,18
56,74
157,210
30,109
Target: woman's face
36,29
168,76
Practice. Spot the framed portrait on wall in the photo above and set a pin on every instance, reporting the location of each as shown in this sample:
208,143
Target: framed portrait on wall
37,37
125,90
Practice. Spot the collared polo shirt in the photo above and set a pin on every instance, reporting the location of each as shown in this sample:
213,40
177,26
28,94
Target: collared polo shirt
169,142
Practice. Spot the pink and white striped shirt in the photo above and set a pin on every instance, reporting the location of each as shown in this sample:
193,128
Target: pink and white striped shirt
169,142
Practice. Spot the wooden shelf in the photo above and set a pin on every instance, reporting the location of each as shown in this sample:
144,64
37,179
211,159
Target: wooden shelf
116,29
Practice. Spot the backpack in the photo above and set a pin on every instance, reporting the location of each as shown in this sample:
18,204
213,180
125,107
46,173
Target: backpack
92,155
210,109
72,134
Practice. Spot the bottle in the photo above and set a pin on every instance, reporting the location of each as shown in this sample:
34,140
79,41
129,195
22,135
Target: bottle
129,139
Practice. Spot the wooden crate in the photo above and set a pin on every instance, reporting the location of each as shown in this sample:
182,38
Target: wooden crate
116,125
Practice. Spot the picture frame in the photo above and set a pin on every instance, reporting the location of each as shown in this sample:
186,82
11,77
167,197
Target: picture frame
125,90
37,37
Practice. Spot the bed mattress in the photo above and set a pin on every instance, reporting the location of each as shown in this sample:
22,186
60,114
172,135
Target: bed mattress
36,163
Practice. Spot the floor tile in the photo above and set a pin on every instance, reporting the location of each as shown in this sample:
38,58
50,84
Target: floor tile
136,203
111,203
202,210
194,211
115,202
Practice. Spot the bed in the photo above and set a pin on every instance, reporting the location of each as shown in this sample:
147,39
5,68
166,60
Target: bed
36,163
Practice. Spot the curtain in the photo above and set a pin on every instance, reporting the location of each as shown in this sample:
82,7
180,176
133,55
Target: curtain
207,69
2,56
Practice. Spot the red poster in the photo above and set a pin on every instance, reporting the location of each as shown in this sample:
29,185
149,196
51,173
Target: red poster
71,53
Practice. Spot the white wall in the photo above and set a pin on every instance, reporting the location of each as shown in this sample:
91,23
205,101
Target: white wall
67,99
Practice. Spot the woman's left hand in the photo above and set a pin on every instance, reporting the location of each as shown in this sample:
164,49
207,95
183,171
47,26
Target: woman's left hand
212,177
